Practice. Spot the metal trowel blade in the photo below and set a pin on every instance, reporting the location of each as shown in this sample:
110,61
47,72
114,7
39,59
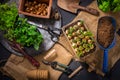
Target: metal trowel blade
64,4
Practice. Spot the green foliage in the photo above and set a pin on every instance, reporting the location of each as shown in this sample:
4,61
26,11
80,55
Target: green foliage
109,5
20,31
7,16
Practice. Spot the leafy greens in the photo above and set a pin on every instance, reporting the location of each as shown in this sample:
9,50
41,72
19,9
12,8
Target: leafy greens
109,5
17,29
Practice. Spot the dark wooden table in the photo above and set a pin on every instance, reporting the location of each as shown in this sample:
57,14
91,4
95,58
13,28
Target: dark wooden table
95,59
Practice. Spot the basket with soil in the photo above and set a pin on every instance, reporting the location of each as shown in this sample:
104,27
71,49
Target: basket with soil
80,38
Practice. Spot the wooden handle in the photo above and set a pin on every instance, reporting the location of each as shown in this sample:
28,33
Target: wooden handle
92,11
87,9
33,61
74,72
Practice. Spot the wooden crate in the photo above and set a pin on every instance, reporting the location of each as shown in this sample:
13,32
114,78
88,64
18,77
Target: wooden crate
22,8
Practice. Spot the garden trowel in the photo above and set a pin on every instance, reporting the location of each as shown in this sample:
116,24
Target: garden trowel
73,6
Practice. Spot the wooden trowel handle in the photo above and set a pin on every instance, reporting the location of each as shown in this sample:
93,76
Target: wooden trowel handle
87,9
33,61
92,11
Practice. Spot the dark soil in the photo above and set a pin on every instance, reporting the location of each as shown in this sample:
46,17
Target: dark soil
105,34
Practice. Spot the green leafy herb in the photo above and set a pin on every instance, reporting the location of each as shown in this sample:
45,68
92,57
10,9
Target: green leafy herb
109,5
19,31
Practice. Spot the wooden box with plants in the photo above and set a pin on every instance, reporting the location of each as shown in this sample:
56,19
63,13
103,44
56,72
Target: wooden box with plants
80,38
16,29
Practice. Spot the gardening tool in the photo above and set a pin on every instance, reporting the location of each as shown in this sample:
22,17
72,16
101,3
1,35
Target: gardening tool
105,56
73,6
33,61
58,66
51,31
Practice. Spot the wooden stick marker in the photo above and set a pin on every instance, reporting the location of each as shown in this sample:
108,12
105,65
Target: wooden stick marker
75,72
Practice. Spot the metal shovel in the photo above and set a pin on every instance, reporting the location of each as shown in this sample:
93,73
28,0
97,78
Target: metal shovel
73,6
105,56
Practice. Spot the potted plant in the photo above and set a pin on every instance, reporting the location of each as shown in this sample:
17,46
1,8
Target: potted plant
16,29
109,5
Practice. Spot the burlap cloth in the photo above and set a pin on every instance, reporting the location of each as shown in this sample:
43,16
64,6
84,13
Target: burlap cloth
17,69
18,66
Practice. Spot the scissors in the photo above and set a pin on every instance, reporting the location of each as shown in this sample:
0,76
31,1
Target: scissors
52,31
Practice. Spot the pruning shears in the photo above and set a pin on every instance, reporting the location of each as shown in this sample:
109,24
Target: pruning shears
58,66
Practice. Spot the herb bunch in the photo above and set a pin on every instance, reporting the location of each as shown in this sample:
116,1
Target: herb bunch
18,30
109,5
